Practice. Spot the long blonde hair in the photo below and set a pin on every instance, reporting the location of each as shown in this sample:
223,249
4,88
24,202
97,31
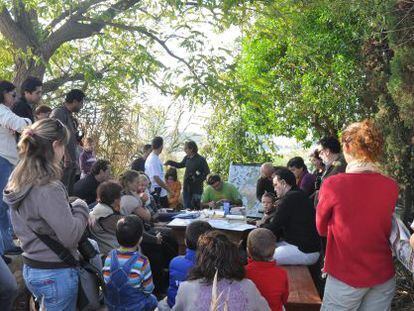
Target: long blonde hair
38,164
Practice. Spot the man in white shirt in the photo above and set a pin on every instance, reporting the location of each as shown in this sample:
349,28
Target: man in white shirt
155,171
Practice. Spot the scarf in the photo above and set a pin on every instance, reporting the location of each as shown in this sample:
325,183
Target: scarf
359,167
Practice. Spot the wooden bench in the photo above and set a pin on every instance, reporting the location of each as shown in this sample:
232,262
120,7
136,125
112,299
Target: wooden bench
303,295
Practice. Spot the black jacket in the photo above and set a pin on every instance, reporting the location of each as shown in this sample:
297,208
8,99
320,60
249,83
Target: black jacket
23,109
85,188
196,171
295,216
264,185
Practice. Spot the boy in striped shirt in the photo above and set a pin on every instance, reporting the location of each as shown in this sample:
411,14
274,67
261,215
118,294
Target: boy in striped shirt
127,273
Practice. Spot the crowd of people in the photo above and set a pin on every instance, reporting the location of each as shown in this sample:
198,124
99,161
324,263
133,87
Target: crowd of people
53,192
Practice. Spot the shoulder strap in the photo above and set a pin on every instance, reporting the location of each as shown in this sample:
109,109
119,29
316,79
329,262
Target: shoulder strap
129,263
114,261
62,252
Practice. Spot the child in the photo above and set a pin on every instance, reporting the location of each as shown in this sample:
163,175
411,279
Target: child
144,194
87,157
269,206
175,188
270,280
180,265
42,112
127,272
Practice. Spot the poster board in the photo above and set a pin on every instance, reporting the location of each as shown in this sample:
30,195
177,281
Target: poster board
244,177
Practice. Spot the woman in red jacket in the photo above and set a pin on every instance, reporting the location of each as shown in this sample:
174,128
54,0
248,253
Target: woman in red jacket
354,212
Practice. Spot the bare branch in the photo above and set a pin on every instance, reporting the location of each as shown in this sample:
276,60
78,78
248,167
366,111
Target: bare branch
12,31
74,29
54,84
80,8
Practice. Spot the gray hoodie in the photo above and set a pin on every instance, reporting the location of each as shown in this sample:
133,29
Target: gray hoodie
45,209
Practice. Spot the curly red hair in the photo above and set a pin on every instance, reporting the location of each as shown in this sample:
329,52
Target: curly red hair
365,141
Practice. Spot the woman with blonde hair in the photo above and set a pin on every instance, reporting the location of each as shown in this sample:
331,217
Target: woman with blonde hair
39,206
355,212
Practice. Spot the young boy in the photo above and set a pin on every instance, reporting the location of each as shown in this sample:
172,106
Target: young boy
127,272
87,157
270,280
269,207
180,265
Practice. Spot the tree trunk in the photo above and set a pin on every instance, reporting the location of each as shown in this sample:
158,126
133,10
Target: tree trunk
26,68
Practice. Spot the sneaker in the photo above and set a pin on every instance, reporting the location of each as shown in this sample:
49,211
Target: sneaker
16,250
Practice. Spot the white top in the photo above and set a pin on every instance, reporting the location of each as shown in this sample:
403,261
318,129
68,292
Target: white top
10,123
154,167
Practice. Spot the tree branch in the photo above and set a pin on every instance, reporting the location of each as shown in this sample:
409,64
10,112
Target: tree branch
54,84
10,29
74,29
146,32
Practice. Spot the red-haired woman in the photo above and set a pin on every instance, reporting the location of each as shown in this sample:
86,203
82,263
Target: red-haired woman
354,212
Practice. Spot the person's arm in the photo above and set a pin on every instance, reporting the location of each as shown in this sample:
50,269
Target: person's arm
204,170
206,200
13,122
184,296
324,208
147,284
82,161
308,184
161,183
177,164
67,223
259,189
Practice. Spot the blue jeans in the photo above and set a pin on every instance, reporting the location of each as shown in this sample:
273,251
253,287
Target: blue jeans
8,287
6,229
56,288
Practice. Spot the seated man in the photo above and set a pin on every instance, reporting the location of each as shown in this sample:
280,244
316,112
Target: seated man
218,192
85,188
265,182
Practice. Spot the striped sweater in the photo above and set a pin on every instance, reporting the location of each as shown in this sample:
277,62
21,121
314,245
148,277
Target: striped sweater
140,276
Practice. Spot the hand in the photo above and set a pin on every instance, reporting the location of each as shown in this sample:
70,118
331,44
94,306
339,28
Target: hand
211,204
144,197
80,202
167,162
159,238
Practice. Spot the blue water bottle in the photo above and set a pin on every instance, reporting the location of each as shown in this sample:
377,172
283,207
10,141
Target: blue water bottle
226,208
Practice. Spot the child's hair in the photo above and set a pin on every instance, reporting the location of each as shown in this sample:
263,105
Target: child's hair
261,244
129,230
215,252
89,141
270,196
42,109
108,192
194,231
128,177
172,172
38,164
143,177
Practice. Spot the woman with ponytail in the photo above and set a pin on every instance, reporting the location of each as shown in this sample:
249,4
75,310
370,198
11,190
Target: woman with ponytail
10,123
355,212
39,206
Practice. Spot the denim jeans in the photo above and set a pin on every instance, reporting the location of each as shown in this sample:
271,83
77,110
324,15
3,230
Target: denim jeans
57,289
6,230
8,287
